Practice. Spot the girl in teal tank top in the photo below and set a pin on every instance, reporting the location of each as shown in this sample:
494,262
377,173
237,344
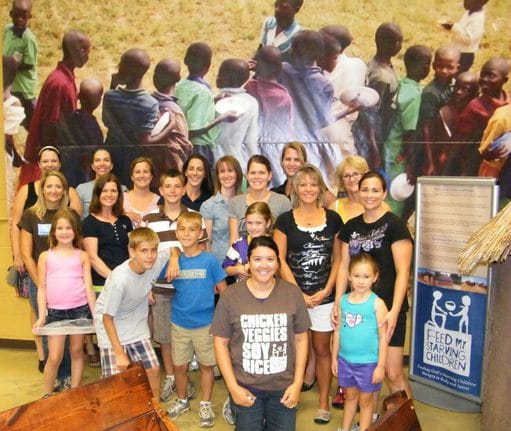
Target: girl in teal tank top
359,349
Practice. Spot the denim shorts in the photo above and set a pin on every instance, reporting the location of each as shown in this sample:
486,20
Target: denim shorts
81,312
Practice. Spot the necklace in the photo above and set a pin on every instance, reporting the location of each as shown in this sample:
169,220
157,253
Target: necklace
260,292
310,218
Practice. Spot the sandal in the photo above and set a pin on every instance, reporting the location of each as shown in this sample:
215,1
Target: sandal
307,386
322,416
93,360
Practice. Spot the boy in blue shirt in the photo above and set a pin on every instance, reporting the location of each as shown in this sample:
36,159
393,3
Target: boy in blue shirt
131,113
193,305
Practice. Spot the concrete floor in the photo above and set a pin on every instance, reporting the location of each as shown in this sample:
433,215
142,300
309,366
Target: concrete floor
20,382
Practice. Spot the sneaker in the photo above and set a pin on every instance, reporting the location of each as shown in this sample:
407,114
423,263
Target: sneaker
228,412
338,401
322,416
62,384
356,427
191,392
177,408
194,365
66,384
206,416
57,386
167,388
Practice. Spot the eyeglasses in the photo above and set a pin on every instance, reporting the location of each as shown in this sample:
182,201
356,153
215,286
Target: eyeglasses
354,175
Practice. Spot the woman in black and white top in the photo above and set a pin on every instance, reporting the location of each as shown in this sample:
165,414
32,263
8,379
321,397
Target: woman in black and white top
309,248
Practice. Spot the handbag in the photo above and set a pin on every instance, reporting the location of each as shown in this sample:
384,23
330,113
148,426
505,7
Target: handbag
20,281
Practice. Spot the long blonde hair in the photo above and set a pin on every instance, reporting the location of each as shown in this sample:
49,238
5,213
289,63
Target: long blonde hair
40,208
313,172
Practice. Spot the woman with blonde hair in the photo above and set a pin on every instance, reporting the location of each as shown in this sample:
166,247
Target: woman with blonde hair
293,157
48,159
34,228
348,174
309,250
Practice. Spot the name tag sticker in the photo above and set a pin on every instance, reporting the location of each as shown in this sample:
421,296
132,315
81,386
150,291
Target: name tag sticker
43,229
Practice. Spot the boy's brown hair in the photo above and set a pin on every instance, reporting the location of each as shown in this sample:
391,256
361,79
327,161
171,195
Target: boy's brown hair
140,235
172,173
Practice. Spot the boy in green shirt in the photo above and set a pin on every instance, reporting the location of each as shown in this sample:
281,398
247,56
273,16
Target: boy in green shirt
21,44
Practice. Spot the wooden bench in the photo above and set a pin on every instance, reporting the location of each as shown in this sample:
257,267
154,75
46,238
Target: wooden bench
398,414
123,402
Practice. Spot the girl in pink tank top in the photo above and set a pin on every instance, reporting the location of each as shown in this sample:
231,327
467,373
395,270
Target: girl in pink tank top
64,292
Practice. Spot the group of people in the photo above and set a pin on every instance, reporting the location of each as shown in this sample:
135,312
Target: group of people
287,253
317,280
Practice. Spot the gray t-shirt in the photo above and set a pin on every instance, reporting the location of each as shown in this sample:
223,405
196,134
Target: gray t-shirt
125,297
238,207
261,333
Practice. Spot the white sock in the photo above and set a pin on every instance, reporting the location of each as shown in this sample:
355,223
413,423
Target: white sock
205,403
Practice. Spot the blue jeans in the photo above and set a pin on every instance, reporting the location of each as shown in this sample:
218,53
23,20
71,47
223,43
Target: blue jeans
267,413
65,365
